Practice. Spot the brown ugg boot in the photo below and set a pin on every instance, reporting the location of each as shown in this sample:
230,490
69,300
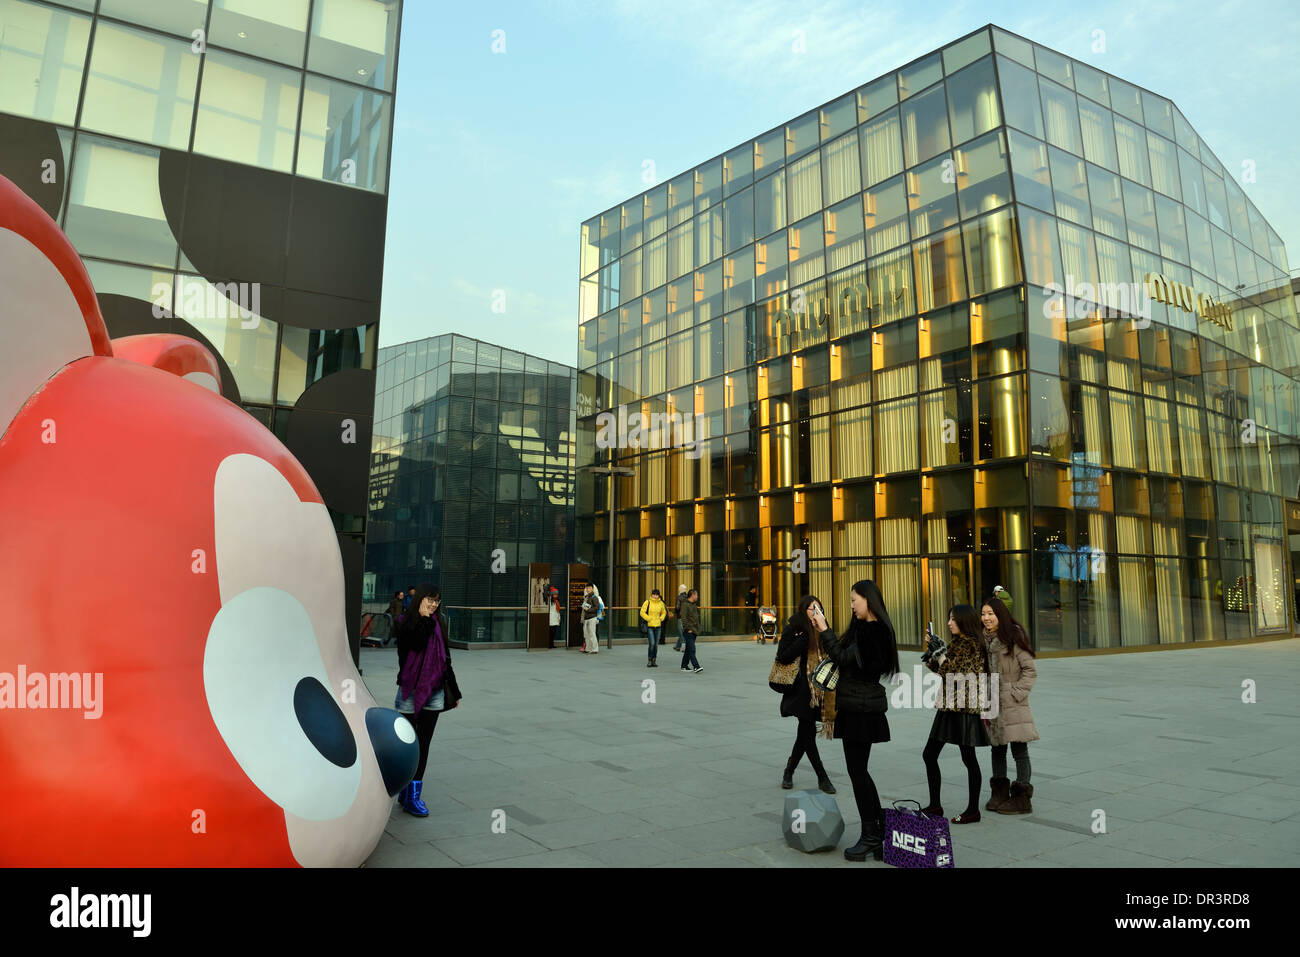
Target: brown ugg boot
1001,793
1019,802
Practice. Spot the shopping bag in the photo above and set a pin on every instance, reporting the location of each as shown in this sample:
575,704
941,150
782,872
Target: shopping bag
913,839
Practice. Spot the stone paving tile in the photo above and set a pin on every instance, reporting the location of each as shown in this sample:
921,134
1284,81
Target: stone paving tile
1186,774
488,847
587,830
395,854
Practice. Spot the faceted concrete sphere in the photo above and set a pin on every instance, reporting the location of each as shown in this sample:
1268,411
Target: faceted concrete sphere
812,821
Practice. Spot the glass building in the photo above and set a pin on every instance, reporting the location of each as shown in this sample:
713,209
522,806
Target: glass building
222,169
473,452
994,318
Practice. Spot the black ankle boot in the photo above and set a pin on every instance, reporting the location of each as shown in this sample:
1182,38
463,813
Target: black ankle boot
872,842
787,780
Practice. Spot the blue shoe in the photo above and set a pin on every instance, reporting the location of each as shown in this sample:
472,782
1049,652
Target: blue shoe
414,805
403,796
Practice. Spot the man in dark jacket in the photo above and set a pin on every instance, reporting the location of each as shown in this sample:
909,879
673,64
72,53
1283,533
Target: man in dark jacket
690,619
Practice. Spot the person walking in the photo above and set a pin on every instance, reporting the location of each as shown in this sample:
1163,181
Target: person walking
553,613
677,610
867,652
1011,652
426,684
593,610
800,641
751,602
653,613
395,608
689,611
963,665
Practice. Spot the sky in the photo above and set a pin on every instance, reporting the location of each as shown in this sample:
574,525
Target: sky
516,122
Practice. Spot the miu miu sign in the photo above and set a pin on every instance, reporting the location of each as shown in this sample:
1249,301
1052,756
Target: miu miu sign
1163,289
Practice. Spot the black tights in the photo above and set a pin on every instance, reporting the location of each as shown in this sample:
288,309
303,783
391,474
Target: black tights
805,742
856,756
424,722
973,779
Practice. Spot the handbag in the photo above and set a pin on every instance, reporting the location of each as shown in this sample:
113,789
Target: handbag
916,840
826,675
782,677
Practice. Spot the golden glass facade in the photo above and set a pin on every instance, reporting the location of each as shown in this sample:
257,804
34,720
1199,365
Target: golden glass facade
909,329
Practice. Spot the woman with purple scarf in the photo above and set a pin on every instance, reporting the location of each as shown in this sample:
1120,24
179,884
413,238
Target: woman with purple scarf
426,685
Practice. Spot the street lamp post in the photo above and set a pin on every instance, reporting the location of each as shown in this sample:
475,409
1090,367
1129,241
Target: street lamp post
611,471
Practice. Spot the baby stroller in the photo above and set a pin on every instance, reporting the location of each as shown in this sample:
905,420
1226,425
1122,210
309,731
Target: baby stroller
766,624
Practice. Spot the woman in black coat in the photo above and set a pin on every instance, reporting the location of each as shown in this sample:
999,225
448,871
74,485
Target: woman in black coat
426,684
798,639
865,653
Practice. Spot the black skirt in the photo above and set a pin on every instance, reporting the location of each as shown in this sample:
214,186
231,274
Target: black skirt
861,726
958,727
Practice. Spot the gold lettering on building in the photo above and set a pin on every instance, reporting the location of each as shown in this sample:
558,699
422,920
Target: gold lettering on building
1163,289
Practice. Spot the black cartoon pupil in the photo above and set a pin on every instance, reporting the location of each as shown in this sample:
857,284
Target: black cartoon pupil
323,722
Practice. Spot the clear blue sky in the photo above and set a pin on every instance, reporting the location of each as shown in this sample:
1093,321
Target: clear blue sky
499,158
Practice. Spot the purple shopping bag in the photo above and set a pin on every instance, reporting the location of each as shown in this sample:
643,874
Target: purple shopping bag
913,839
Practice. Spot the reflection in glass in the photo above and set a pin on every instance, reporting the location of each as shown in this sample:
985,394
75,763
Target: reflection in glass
992,259
1030,171
940,272
42,55
115,211
973,101
882,148
886,216
248,111
932,196
1060,116
345,133
354,40
141,87
983,182
181,17
271,29
308,355
925,127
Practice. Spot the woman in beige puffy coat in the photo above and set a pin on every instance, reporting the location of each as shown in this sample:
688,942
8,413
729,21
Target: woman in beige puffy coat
1010,649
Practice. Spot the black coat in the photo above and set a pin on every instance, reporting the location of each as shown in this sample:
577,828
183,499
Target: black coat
413,634
860,698
795,703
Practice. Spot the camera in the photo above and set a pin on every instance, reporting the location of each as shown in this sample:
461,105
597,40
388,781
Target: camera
937,646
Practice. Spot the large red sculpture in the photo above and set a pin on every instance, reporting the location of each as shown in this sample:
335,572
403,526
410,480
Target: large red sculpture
175,681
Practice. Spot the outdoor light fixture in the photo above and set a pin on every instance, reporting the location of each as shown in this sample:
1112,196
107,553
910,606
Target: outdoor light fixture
243,35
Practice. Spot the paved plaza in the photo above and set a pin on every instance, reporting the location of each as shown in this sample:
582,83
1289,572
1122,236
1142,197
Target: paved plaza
590,773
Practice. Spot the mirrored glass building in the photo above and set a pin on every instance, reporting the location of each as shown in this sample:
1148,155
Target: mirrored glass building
994,318
472,455
222,169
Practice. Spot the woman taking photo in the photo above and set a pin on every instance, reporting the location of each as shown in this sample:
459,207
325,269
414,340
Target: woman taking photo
801,641
866,652
426,683
963,665
1010,651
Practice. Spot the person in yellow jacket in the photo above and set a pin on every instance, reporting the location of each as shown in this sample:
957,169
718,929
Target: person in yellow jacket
653,613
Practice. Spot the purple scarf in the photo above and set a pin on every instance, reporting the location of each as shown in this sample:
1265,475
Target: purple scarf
423,670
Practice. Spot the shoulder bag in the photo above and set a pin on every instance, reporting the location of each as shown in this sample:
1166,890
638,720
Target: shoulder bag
781,678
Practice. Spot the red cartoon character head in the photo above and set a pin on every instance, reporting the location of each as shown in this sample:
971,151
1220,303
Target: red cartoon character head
175,681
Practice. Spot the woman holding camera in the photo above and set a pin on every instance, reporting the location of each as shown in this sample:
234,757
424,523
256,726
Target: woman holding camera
962,662
801,641
856,714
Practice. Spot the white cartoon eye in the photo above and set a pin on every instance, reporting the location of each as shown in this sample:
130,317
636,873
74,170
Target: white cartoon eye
277,713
